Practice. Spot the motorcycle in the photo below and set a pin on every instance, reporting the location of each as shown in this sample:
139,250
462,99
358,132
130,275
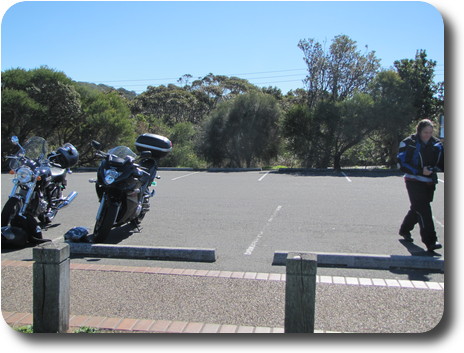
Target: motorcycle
123,186
37,190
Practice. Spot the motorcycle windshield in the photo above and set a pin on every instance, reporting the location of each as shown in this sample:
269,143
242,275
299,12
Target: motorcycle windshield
122,152
35,148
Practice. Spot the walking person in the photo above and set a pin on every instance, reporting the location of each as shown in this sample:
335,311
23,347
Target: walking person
421,156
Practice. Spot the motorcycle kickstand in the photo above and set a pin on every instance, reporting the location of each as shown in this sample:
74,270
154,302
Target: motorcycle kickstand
137,226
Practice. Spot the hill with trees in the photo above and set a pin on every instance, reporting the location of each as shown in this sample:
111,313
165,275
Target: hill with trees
351,112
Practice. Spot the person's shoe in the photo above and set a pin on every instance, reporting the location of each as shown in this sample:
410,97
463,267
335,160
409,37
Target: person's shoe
435,246
406,235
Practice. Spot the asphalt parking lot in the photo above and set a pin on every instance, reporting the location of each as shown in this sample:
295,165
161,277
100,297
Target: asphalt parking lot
247,216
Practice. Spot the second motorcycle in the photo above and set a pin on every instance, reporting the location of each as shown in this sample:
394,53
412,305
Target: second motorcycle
123,182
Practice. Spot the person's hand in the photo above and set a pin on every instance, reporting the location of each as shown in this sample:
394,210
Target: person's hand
426,171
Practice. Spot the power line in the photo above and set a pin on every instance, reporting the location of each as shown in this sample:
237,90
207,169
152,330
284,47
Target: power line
439,72
176,78
257,83
266,72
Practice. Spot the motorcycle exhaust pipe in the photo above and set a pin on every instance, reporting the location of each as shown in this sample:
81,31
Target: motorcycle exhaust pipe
67,200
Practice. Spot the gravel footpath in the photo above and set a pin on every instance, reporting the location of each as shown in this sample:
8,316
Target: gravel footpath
342,308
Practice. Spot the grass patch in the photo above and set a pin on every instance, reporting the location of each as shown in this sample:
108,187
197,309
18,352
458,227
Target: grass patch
83,329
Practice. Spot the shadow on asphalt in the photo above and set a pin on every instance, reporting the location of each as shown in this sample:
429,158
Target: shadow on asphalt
118,234
417,250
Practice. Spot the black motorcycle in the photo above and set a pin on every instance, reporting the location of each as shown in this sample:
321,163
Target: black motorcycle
40,179
123,186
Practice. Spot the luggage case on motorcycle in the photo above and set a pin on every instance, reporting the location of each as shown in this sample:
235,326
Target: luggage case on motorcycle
159,146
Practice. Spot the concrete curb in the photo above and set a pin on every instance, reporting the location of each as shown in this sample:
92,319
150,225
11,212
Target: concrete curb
133,325
370,172
183,169
143,252
369,261
232,170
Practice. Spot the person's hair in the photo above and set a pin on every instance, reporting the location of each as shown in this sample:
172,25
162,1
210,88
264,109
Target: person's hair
423,124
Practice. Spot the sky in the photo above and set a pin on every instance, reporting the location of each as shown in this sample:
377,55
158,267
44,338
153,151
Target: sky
136,44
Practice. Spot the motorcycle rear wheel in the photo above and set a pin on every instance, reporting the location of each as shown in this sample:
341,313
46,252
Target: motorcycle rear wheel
105,222
10,210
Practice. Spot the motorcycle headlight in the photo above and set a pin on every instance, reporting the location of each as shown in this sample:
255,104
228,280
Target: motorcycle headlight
24,175
110,176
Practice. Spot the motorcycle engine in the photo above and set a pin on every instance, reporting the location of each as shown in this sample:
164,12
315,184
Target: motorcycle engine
42,207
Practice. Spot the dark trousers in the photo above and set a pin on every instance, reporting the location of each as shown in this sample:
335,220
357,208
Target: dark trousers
420,196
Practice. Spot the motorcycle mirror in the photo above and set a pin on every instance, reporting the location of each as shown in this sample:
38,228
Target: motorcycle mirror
96,144
15,140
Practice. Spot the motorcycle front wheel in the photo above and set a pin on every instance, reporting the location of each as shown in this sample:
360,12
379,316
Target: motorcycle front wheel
10,210
105,221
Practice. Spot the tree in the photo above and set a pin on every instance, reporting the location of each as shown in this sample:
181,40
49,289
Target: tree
394,109
351,121
305,136
172,104
337,117
419,74
338,73
243,132
321,135
184,154
40,102
106,118
18,112
219,87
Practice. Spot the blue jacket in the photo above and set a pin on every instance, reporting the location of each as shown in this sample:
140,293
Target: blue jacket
414,155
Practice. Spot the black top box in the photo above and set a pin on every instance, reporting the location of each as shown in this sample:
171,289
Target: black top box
159,146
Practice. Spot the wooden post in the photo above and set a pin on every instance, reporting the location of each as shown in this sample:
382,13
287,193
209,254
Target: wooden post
51,285
300,293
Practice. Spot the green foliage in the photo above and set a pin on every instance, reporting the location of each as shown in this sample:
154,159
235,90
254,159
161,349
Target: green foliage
338,73
183,137
106,89
348,101
86,329
366,153
171,104
328,130
336,115
83,329
300,130
47,103
40,102
106,118
394,109
25,329
349,112
243,132
219,88
352,122
418,75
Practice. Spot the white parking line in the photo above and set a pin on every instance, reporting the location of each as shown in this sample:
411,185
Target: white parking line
264,176
253,244
346,176
186,175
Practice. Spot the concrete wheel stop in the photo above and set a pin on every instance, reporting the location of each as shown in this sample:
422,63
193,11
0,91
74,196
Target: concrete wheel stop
142,252
370,261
